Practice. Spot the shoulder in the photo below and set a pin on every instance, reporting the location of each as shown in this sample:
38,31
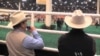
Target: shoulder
9,33
62,37
22,33
90,37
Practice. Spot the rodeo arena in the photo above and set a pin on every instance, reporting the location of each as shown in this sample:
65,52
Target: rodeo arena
47,16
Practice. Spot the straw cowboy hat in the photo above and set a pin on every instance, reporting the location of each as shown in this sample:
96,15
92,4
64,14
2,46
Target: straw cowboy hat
17,18
78,20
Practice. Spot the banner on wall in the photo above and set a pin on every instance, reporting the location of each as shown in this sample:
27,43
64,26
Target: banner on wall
41,2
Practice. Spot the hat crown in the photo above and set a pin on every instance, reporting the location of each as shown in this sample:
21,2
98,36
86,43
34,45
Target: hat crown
78,20
77,17
17,17
77,13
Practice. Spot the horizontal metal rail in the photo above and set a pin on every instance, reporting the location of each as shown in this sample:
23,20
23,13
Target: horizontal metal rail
53,31
45,48
49,13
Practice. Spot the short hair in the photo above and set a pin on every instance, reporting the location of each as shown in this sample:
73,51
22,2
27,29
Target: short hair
17,26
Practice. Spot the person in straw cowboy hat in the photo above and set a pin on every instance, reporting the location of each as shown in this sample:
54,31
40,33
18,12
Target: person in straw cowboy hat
76,42
18,42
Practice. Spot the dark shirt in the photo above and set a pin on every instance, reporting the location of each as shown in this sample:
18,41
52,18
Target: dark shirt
76,43
60,21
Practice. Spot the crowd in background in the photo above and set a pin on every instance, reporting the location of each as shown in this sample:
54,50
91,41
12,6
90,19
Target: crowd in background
87,6
58,20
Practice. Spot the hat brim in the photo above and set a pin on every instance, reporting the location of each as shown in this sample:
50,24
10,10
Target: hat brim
88,22
11,24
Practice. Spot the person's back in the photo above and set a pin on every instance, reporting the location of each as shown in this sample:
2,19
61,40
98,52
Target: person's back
15,44
76,43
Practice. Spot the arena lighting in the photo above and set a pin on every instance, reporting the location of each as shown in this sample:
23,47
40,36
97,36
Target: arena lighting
24,0
89,0
41,2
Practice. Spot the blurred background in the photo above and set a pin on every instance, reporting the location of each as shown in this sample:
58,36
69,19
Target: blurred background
87,6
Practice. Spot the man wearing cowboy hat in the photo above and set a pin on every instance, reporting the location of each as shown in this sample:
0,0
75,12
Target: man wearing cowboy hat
18,42
76,42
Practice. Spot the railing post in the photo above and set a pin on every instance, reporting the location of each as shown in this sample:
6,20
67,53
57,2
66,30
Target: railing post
32,19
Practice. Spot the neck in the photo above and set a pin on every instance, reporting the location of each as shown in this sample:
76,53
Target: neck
77,31
20,29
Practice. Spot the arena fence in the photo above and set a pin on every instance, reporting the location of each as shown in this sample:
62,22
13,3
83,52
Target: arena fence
50,31
48,13
54,50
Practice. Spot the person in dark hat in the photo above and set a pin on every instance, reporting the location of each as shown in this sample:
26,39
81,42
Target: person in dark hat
18,42
77,42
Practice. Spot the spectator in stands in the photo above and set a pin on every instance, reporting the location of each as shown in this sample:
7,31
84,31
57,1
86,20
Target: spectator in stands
18,42
66,26
77,42
59,23
97,23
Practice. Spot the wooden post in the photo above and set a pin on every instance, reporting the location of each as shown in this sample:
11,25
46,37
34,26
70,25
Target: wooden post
98,6
48,9
19,8
32,19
